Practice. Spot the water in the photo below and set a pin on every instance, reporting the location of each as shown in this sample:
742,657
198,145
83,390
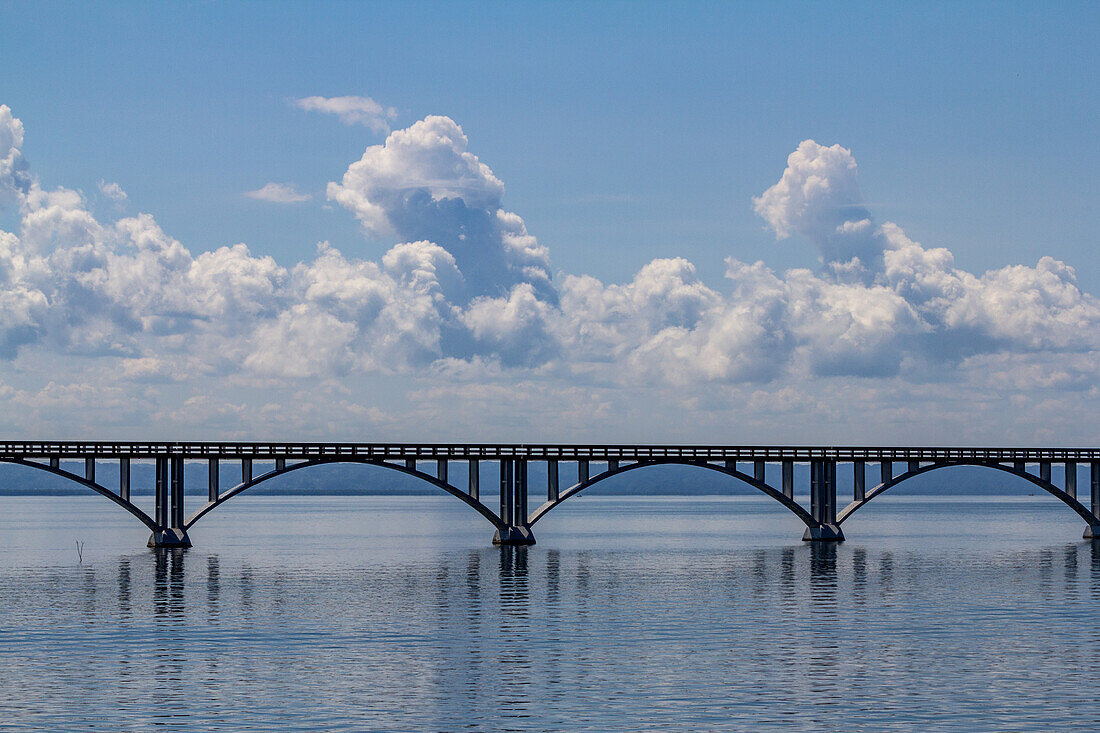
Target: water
375,613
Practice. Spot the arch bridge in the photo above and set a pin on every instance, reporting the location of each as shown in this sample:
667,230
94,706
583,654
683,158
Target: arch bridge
513,519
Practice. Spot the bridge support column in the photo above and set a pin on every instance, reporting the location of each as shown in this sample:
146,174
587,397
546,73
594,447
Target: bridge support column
823,503
170,512
160,491
213,480
513,504
788,479
1071,479
552,488
473,488
124,479
859,481
1092,532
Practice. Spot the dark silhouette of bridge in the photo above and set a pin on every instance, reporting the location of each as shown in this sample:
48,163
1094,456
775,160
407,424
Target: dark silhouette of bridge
593,463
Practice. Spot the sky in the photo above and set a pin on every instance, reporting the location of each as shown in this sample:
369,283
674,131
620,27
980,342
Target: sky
634,222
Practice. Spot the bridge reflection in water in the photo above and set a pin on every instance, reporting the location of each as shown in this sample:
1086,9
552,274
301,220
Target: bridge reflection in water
513,519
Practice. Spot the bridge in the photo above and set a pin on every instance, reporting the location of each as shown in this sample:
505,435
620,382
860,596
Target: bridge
513,519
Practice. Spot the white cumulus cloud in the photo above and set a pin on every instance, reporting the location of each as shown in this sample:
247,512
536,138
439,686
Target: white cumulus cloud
464,295
424,184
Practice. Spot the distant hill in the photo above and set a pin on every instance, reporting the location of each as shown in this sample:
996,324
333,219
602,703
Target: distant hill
352,479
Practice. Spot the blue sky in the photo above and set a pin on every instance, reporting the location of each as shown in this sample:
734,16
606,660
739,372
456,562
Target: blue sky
622,133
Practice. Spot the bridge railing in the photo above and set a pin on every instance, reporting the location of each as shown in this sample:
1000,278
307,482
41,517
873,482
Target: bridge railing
532,451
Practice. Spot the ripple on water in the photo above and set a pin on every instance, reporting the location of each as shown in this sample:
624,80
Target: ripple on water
630,614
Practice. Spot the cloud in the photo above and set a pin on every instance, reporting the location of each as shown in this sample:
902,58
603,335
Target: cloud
818,197
114,192
278,193
14,176
352,111
423,184
463,295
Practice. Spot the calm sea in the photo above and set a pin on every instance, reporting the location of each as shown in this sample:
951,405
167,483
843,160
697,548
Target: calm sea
655,613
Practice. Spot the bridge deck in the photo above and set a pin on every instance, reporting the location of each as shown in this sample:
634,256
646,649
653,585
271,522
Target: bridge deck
532,451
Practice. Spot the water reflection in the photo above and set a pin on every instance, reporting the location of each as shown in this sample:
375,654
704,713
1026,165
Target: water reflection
124,581
213,588
549,638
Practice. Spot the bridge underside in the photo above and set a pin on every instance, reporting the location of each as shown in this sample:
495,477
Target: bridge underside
511,519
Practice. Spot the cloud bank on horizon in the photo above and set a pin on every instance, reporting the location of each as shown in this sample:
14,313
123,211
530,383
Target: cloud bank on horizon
467,296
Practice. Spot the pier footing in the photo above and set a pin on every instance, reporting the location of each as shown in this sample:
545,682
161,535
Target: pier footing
1092,532
172,537
514,536
824,533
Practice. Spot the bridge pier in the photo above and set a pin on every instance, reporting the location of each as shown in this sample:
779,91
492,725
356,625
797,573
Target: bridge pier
513,504
823,503
1092,532
169,505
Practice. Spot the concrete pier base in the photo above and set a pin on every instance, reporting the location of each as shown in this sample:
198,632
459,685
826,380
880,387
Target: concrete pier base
172,537
1092,532
824,533
514,536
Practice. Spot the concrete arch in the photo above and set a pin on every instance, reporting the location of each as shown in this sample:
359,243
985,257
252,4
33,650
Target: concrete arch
452,490
98,488
795,508
1046,486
